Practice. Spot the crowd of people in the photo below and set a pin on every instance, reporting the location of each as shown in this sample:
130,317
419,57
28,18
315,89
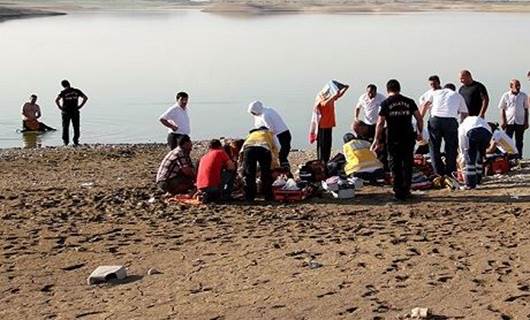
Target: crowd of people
387,131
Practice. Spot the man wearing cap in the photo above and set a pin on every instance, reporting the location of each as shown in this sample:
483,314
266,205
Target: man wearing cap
271,119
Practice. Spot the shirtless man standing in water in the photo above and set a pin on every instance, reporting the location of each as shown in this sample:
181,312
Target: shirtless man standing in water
30,115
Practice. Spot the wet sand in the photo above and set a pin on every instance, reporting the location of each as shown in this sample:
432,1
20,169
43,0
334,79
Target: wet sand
63,212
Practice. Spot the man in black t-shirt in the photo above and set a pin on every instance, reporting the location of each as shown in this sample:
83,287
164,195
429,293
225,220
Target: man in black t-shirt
474,93
70,110
397,112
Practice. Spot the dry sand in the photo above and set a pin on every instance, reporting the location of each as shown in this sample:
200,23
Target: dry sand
63,212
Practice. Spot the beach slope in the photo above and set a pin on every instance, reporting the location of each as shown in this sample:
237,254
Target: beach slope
63,212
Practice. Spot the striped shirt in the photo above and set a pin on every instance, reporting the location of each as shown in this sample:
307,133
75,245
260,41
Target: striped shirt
173,162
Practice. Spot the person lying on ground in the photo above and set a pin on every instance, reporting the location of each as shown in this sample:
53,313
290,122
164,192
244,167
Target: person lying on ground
30,116
270,118
260,148
215,174
176,174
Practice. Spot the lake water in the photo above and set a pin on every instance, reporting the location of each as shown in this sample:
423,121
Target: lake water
131,64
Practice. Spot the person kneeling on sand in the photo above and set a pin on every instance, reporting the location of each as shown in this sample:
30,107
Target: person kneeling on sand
361,162
260,147
176,174
501,143
30,115
215,174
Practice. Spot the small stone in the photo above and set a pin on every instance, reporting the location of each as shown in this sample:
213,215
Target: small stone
107,273
153,271
420,313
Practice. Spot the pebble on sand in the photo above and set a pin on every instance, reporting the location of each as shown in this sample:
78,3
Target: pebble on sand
107,273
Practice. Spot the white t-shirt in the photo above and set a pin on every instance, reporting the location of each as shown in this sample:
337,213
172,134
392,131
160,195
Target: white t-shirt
179,117
424,97
514,106
446,103
370,107
504,142
272,120
470,123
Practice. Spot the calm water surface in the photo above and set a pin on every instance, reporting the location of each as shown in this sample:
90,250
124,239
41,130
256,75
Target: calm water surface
131,64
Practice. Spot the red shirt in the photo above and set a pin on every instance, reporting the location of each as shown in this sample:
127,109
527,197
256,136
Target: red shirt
210,167
327,112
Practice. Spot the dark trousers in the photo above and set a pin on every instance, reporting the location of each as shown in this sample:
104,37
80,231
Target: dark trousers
42,127
252,157
445,129
518,129
67,117
177,185
324,143
400,161
173,140
224,191
479,140
285,147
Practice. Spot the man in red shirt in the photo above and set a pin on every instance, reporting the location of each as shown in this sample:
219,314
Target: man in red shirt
215,173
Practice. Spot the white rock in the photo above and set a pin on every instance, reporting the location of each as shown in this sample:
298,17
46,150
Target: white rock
420,313
153,271
106,273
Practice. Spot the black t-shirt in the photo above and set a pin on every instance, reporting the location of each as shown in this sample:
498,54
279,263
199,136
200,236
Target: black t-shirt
473,96
70,98
398,111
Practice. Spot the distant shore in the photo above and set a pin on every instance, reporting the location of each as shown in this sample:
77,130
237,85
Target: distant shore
29,8
336,6
8,13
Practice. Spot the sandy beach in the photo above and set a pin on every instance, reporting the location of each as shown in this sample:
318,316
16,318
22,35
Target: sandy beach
465,255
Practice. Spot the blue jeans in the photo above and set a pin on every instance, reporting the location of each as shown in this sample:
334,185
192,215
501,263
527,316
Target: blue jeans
479,140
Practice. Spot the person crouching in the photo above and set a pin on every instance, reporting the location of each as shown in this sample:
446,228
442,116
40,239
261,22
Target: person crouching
260,147
215,173
474,136
176,174
361,162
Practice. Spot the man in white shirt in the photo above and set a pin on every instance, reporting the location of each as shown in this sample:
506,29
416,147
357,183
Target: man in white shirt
474,136
445,106
271,119
514,113
177,121
369,103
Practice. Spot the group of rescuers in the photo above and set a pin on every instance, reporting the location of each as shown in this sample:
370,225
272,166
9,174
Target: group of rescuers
383,139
